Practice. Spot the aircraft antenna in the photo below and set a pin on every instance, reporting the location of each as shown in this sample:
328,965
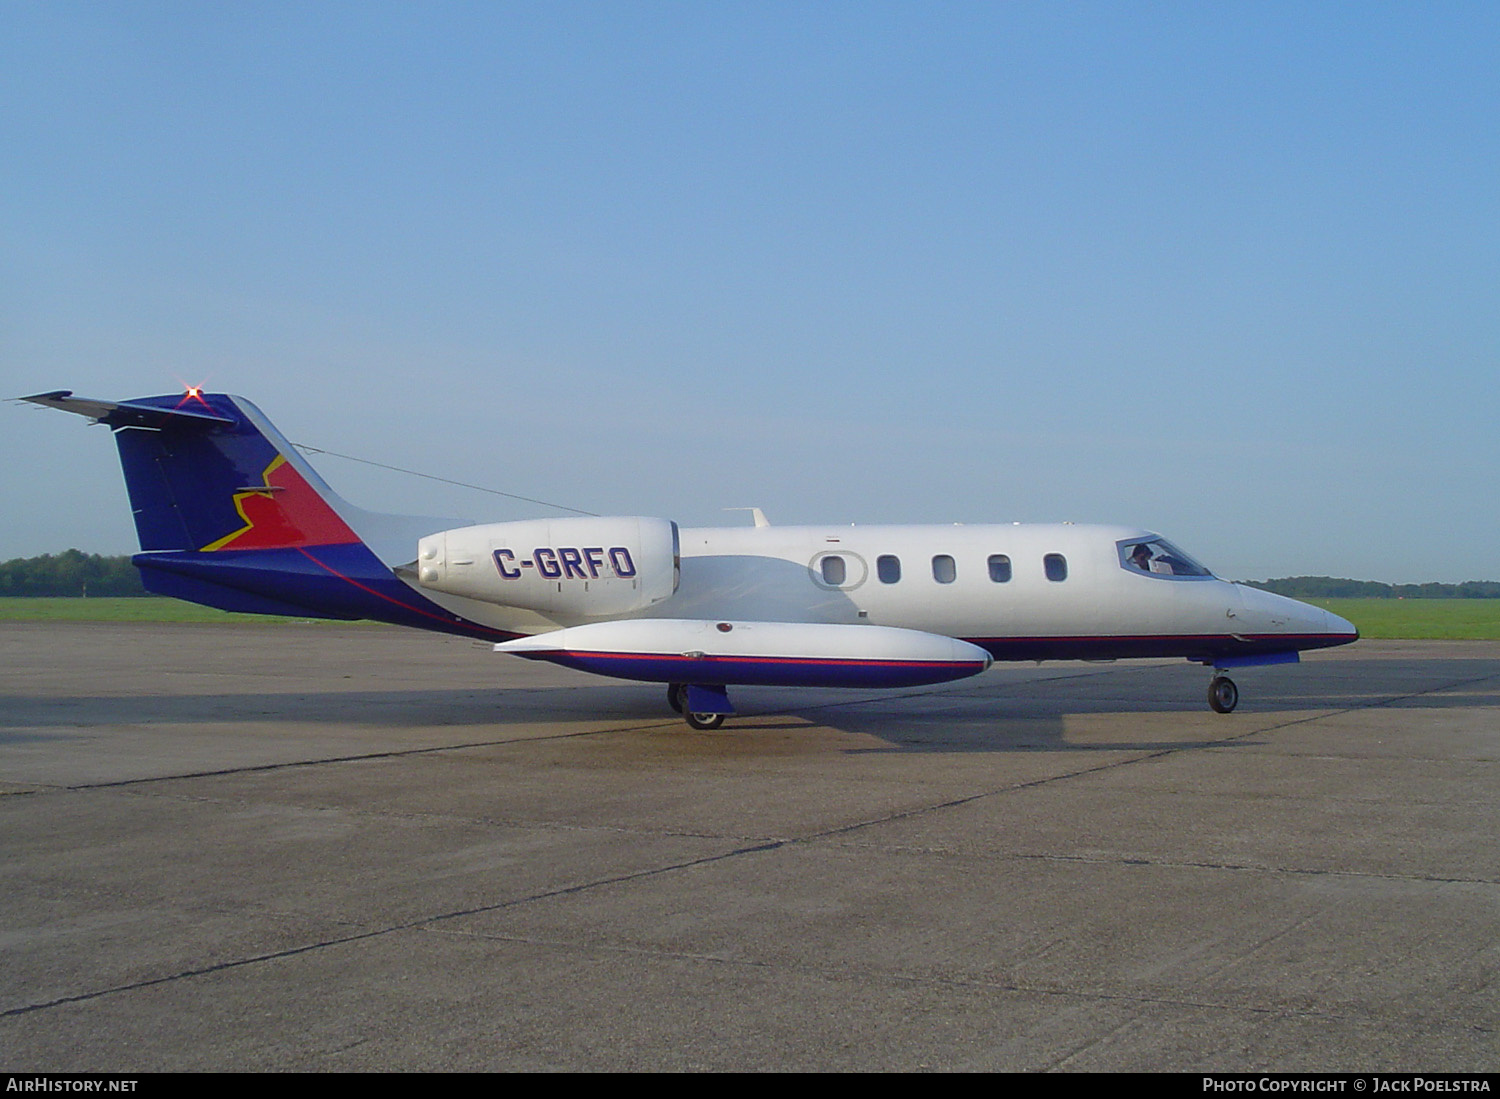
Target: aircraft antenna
444,480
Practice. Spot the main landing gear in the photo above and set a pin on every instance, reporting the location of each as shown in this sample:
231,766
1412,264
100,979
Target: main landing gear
687,700
1223,695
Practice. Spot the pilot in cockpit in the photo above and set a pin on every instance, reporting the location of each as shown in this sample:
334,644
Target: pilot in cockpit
1140,557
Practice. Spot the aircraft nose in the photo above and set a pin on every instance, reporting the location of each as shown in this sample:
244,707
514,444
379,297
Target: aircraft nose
1268,613
1340,626
1318,621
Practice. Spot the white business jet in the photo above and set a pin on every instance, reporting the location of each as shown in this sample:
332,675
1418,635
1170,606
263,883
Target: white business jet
229,514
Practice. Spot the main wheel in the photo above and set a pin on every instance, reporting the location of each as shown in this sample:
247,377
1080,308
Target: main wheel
676,696
1223,695
703,721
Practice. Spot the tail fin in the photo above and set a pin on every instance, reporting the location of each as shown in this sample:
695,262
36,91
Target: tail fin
230,515
204,475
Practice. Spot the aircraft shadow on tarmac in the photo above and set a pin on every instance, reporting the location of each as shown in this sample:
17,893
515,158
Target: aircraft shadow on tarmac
995,716
960,724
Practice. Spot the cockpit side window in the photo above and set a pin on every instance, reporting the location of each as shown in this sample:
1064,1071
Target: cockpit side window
1158,557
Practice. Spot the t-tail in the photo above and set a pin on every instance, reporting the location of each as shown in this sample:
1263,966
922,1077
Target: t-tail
230,515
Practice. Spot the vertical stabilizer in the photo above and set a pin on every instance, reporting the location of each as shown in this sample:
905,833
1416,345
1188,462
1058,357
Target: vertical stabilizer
230,515
218,481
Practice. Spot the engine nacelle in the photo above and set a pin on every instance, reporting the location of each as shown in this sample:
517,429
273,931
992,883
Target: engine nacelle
581,568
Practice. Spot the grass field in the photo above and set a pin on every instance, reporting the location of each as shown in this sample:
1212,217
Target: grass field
1420,619
1391,619
143,609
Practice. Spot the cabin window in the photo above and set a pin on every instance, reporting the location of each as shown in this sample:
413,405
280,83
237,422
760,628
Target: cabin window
943,569
834,570
888,568
999,568
1056,565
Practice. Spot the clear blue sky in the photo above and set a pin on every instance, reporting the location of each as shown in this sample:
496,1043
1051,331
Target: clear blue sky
1228,271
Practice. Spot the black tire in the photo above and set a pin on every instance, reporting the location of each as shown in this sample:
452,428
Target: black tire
676,696
703,721
1223,695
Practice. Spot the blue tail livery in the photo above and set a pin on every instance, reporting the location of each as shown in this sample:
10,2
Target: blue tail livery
230,515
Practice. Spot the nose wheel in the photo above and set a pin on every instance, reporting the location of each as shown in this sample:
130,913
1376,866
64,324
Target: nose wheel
1223,695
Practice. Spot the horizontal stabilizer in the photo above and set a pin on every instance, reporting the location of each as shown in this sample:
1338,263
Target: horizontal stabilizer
126,413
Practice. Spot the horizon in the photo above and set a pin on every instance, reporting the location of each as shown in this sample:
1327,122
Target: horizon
1236,580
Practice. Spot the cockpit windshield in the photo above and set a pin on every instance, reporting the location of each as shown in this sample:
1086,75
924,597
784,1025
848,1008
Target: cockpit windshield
1158,557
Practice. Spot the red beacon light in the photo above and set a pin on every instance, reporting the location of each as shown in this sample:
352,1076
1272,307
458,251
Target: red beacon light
192,393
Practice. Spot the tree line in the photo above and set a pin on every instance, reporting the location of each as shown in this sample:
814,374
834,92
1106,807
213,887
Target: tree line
75,573
1333,587
70,573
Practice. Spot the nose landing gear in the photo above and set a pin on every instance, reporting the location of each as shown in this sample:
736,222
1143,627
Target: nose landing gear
1223,695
